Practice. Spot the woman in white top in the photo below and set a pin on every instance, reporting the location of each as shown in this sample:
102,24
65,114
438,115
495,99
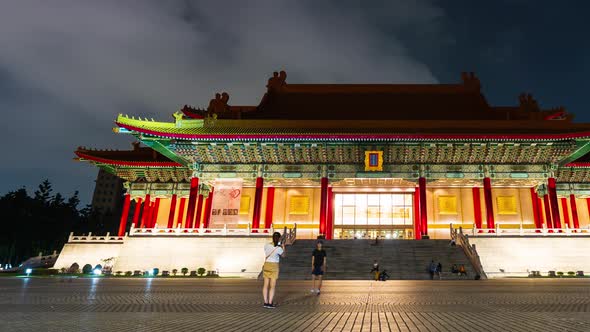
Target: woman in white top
270,271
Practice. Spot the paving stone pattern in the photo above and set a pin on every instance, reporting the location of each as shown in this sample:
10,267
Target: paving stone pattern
48,304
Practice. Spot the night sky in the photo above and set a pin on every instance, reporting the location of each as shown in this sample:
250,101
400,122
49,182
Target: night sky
67,68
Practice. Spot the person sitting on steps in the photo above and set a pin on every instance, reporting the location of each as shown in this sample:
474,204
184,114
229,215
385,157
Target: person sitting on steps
462,270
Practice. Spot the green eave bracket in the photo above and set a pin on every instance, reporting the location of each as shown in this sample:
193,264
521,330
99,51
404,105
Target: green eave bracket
161,146
108,168
582,148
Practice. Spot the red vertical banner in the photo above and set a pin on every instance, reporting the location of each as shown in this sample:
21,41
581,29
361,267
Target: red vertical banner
552,189
423,207
487,197
192,202
199,211
137,212
476,207
323,204
181,211
154,213
257,204
172,210
208,201
124,215
146,211
566,214
417,225
547,207
330,215
574,211
535,202
270,202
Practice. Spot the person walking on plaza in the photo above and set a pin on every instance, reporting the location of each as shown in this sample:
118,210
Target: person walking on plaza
439,270
318,266
270,270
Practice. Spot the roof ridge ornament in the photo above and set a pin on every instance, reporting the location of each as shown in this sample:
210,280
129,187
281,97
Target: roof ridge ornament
528,103
219,103
470,80
278,81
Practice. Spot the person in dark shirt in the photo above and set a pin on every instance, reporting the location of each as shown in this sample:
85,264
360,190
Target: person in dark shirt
318,266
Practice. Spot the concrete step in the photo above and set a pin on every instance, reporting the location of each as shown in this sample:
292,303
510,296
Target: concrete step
353,259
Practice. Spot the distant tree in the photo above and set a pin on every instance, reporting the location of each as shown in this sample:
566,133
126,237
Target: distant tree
87,269
201,271
184,271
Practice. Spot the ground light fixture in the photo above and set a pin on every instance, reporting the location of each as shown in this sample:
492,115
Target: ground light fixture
28,271
97,272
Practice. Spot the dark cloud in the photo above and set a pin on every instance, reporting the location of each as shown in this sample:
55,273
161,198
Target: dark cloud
67,68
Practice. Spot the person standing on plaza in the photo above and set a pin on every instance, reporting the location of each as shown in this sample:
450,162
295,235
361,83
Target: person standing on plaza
270,270
432,269
318,266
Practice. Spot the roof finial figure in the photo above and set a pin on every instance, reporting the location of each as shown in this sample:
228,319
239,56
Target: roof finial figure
277,81
528,103
470,80
219,104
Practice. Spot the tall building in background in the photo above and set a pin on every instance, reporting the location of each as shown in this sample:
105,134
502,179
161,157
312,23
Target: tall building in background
108,193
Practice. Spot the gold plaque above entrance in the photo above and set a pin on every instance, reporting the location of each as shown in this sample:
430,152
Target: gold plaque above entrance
373,161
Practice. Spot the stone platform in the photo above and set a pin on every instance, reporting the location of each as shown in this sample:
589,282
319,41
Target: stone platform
48,304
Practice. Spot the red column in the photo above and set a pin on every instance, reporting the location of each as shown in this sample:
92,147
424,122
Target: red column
487,197
199,211
574,211
154,213
476,207
270,203
547,211
535,202
208,203
124,215
540,207
551,188
423,210
192,202
172,210
323,204
330,215
257,204
146,211
417,222
137,212
181,211
566,215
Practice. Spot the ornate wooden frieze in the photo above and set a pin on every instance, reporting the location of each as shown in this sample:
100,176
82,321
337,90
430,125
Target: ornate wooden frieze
393,153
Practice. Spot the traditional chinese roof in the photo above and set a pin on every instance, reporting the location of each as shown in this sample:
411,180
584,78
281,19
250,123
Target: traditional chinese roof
138,157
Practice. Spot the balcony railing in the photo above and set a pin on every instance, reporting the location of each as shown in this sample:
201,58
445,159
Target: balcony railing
108,238
521,231
248,231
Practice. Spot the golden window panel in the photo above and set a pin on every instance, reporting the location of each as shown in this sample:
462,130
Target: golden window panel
447,204
245,204
506,205
299,205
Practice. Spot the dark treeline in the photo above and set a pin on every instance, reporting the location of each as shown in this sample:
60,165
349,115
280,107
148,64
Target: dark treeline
42,223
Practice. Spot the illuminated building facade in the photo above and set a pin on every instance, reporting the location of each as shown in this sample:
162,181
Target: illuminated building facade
357,160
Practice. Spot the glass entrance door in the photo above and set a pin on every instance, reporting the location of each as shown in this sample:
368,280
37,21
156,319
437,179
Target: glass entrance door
368,215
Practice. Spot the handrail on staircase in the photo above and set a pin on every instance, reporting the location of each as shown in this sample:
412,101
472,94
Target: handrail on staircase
462,240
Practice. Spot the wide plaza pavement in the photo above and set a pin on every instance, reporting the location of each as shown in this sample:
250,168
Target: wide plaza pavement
101,304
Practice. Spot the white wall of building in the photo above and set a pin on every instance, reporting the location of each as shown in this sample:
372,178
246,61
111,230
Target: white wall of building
230,256
517,255
86,253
